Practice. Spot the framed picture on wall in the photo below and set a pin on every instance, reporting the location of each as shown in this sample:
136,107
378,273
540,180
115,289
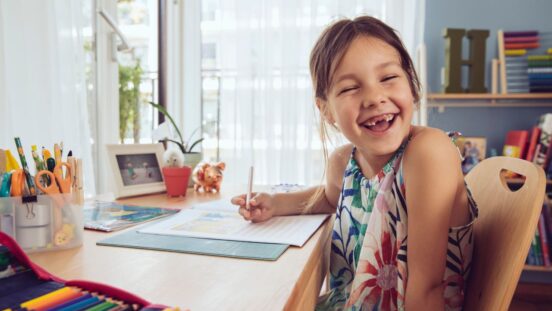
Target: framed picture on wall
473,151
136,168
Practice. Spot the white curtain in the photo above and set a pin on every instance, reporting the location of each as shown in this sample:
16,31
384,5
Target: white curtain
267,112
42,78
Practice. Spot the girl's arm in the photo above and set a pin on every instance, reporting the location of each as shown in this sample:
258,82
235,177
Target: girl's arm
264,205
296,202
431,170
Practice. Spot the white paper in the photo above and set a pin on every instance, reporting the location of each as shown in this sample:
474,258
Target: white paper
221,220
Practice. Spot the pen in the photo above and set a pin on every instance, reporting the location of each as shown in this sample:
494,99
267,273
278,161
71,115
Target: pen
28,178
73,164
249,189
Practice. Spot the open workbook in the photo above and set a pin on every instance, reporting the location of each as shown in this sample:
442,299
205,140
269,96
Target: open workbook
221,220
112,216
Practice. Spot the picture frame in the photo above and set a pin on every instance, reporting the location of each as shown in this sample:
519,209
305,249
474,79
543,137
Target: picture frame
137,169
472,149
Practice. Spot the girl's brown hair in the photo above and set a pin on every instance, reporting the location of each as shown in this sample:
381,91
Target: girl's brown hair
330,49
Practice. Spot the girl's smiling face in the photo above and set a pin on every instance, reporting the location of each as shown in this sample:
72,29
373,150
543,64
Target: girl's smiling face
370,98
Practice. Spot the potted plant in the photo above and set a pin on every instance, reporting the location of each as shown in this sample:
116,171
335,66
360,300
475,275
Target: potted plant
190,157
175,173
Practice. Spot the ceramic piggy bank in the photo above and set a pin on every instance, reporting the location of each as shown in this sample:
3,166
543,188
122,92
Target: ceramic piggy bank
208,176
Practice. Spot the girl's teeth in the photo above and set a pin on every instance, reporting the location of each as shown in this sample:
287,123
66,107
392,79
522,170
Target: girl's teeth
387,118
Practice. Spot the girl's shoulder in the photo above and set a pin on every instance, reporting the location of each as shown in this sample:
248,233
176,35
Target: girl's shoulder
337,163
341,155
424,136
428,144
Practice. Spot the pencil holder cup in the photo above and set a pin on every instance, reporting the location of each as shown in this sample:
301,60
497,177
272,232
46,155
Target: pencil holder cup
51,222
176,180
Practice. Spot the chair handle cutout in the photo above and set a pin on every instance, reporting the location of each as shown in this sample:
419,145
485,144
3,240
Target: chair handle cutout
511,180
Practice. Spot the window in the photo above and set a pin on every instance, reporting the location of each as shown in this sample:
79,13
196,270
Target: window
138,70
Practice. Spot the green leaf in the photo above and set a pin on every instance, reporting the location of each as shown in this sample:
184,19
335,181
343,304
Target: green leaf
166,114
181,146
195,143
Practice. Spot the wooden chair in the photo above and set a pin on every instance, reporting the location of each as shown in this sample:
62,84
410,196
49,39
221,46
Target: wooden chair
503,231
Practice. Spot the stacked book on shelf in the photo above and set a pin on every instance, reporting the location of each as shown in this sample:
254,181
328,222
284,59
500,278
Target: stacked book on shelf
534,145
539,253
527,61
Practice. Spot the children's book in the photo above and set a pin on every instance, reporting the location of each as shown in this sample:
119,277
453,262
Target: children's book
516,138
112,216
533,140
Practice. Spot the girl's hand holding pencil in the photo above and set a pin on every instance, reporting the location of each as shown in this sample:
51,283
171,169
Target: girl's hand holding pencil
260,206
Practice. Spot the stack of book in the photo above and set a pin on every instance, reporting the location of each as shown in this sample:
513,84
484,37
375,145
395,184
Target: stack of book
539,72
534,145
528,66
539,253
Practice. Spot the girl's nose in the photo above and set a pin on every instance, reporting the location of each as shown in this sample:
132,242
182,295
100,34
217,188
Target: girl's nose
373,96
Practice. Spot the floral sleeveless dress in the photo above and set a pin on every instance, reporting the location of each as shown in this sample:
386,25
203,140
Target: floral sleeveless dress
368,268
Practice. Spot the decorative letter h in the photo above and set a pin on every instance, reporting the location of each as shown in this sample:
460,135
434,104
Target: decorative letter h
454,62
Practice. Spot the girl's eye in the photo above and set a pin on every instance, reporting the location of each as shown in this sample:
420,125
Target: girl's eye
345,90
389,78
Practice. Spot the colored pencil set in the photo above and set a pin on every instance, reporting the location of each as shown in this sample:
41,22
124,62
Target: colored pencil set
26,286
71,298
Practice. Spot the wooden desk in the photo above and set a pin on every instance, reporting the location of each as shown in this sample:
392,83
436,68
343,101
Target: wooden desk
195,281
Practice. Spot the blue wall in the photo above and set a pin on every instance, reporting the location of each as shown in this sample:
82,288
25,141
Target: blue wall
493,15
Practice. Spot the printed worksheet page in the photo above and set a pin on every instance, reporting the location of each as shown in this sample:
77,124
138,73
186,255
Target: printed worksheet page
221,220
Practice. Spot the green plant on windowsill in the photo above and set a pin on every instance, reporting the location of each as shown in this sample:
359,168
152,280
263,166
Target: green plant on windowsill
191,158
129,101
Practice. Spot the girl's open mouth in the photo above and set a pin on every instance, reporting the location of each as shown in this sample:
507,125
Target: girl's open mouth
380,123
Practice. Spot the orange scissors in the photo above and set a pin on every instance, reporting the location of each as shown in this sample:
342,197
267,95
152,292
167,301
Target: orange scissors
58,182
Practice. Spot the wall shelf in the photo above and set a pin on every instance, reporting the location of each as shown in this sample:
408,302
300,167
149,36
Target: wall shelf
463,96
538,268
487,100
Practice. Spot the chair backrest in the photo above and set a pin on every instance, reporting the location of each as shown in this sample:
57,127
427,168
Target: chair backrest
503,231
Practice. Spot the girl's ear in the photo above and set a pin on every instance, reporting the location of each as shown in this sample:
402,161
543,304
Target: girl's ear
325,110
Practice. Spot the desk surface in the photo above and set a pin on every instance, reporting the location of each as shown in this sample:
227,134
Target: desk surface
198,282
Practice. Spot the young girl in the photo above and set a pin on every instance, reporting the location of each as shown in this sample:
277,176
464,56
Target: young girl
402,237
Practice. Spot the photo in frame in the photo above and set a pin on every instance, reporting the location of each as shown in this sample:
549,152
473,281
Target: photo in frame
473,151
136,168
